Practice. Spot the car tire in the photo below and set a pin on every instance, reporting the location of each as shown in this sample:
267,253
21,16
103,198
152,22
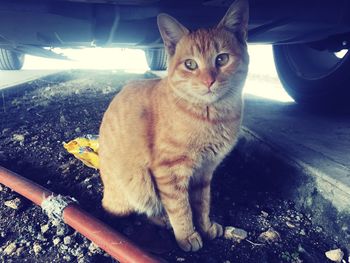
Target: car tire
312,77
10,60
157,59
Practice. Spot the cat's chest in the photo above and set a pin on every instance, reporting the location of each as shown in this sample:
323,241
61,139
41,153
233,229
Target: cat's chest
215,141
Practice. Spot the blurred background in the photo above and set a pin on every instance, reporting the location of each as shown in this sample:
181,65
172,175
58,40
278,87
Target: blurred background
262,79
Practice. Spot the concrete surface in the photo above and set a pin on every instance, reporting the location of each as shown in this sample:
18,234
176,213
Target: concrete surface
17,77
315,146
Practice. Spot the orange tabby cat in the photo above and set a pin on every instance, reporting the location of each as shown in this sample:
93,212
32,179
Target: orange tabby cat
161,139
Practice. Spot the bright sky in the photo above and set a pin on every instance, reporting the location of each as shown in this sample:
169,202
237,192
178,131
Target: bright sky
262,80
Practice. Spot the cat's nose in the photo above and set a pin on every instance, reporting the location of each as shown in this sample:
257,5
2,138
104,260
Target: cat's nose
208,81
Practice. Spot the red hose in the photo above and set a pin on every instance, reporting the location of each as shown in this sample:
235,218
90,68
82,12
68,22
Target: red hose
102,235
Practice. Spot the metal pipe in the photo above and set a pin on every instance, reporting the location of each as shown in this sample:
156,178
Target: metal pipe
102,235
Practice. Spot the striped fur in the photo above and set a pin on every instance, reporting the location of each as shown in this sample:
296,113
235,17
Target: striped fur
161,139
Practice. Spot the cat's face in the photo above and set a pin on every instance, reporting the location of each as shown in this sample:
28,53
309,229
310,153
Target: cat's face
208,64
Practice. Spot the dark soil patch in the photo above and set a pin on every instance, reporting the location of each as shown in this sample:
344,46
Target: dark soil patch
34,122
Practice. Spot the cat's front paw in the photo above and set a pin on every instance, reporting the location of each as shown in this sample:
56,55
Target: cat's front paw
191,243
214,231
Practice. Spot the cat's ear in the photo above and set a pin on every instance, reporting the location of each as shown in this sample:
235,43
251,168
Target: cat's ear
171,31
236,18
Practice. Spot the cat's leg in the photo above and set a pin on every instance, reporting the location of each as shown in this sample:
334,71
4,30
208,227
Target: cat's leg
200,201
114,200
115,203
172,184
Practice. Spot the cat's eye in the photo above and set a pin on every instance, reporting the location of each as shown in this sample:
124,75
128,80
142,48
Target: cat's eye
222,59
191,64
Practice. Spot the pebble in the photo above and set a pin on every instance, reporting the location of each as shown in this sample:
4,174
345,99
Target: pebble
61,230
14,203
10,248
63,247
269,236
290,225
77,252
264,214
62,119
44,228
56,241
234,233
19,251
18,137
1,188
179,259
67,240
37,248
336,255
67,258
93,248
41,237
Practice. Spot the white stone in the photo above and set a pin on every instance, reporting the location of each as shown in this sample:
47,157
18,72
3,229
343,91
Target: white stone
336,255
67,240
56,241
44,228
269,236
14,203
18,137
234,233
10,248
37,248
93,248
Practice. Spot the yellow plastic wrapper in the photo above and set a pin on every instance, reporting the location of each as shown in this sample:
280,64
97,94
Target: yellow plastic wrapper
85,149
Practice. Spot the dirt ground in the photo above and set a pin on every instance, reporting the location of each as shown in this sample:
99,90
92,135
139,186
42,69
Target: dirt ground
36,118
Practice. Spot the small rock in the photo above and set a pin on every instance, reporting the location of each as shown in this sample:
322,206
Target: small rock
63,247
318,229
227,261
61,230
44,228
302,232
19,251
41,237
178,259
269,236
234,233
37,248
93,248
62,119
10,248
67,240
77,130
264,214
77,252
290,225
1,188
14,203
336,255
18,137
67,258
56,241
